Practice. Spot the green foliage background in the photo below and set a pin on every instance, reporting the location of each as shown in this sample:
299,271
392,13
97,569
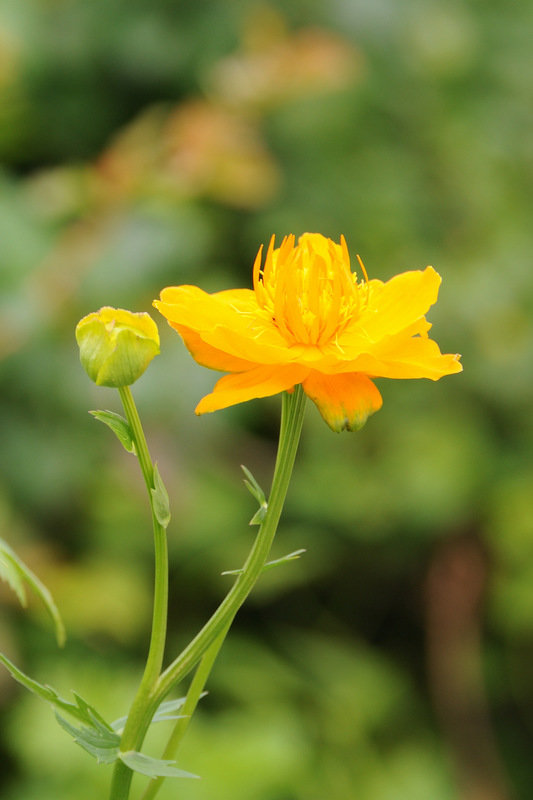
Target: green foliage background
153,143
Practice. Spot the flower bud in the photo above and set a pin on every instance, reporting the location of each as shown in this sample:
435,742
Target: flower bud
116,345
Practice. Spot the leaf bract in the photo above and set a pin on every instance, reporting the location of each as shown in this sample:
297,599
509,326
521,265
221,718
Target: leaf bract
256,491
160,501
120,427
269,564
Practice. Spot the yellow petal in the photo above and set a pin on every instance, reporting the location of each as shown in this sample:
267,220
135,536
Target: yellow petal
229,321
345,401
208,356
395,305
196,309
406,357
415,357
258,382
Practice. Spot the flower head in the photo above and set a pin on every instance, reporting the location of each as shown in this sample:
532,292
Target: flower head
116,345
310,321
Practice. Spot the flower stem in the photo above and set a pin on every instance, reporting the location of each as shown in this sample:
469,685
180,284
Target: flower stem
151,694
140,712
193,696
293,406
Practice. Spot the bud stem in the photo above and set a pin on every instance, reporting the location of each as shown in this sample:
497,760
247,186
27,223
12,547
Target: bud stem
138,716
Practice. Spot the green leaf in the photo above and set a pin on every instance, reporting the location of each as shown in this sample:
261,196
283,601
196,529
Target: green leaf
289,557
160,502
153,767
10,573
100,742
95,735
120,427
80,710
91,714
256,491
16,574
166,711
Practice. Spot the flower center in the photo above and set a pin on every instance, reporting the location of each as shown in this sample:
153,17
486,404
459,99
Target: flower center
308,290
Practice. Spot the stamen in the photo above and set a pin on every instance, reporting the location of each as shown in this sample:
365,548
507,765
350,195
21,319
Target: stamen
308,290
360,260
257,269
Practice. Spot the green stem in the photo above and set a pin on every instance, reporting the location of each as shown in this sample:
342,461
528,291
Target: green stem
148,699
140,712
193,696
291,425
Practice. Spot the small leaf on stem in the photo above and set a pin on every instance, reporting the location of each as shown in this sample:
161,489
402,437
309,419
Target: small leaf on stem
160,501
119,426
256,491
100,742
166,711
153,767
289,557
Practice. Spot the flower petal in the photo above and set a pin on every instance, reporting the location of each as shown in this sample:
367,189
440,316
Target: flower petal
345,401
230,321
414,357
208,356
404,356
261,381
396,304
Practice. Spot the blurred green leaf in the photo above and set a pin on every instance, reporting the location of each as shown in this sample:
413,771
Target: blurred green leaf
81,710
16,573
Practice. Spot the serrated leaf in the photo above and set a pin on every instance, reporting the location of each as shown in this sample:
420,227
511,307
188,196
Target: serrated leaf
91,714
153,767
120,427
80,710
256,491
16,573
160,501
100,742
269,564
166,711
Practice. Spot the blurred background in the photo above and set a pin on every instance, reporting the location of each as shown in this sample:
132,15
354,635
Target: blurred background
144,144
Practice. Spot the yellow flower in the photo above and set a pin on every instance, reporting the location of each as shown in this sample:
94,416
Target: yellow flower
309,321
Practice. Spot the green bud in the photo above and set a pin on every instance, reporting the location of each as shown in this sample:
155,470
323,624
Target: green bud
116,345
